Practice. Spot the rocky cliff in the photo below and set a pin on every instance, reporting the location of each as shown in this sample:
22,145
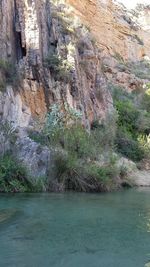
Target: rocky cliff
55,51
122,35
116,29
34,34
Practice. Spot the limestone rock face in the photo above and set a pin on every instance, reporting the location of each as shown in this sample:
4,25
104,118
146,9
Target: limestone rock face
38,160
115,28
13,109
31,30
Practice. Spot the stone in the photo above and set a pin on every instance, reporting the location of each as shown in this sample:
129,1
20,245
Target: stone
38,160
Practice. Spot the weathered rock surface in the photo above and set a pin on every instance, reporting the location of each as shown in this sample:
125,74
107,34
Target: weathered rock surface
122,35
35,29
38,160
115,29
134,176
13,109
30,30
142,178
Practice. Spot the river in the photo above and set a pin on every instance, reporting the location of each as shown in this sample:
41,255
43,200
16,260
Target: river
75,230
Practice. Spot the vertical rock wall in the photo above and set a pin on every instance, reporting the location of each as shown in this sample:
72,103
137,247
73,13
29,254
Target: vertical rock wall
30,30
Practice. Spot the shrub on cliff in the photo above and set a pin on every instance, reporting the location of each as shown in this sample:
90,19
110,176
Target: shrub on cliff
128,116
140,68
133,122
146,99
75,167
59,67
63,128
129,147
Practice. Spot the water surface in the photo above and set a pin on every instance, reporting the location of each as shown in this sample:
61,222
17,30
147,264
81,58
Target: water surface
75,230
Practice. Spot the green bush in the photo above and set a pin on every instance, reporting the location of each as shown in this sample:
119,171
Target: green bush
13,177
119,93
132,122
128,116
76,174
143,122
38,137
64,131
104,174
40,184
64,128
146,100
129,147
53,62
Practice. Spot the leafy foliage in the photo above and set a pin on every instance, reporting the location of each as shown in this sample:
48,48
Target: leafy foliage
146,99
76,174
133,122
128,116
129,147
63,129
13,176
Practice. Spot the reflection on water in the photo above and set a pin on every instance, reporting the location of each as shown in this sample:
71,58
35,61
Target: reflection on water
75,230
148,225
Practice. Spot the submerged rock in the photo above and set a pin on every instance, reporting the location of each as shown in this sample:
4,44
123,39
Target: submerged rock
7,214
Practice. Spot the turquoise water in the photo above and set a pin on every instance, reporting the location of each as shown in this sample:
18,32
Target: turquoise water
75,230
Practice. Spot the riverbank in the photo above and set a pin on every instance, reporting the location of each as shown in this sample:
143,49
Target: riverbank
72,175
142,178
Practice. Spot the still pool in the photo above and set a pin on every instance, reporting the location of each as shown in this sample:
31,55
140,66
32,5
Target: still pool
75,230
